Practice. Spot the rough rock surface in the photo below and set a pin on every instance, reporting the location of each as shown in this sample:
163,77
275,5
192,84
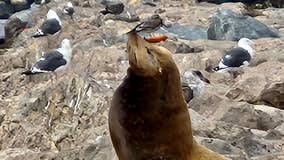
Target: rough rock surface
7,7
263,3
13,27
67,118
227,25
186,32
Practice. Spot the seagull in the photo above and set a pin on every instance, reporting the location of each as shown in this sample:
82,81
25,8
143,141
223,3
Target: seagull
238,57
149,25
53,61
69,10
112,7
51,26
193,84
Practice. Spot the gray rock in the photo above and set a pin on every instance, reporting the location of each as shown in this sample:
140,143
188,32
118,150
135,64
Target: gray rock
185,32
226,1
2,32
254,146
12,29
227,25
264,3
25,16
223,147
6,10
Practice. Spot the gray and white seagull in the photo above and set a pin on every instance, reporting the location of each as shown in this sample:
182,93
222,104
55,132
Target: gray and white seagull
236,57
112,7
51,26
53,61
193,83
68,9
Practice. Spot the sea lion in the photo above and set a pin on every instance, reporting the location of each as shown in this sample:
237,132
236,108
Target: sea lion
148,118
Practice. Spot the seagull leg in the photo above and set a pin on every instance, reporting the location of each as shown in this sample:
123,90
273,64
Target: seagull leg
162,28
47,41
129,15
46,6
72,18
53,77
105,43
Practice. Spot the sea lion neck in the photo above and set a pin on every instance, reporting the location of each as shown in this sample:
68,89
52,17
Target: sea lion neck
163,84
150,108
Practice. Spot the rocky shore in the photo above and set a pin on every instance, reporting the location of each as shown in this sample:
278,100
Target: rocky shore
241,118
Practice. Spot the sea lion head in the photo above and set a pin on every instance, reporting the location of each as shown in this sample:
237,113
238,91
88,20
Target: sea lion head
146,59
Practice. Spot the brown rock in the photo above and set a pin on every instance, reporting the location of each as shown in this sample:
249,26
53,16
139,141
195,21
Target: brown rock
260,88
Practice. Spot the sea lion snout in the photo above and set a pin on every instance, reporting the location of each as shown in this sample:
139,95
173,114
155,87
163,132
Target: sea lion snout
143,57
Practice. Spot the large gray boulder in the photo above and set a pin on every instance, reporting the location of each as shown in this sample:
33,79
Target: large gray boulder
227,25
185,32
26,16
2,32
7,8
12,28
264,3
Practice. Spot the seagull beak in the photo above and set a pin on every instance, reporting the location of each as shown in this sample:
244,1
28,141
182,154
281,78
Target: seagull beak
205,80
166,25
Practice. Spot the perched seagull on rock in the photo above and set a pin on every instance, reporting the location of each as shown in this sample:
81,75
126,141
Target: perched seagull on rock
149,25
69,9
112,7
53,61
236,57
193,84
51,26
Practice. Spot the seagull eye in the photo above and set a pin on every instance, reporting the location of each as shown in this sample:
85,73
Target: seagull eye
198,73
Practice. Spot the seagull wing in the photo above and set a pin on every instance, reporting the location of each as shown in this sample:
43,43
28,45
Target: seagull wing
50,26
51,61
236,57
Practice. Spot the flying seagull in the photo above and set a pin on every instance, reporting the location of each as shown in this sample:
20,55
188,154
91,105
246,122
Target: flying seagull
53,61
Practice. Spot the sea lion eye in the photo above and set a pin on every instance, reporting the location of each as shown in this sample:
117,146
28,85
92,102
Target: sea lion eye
148,50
